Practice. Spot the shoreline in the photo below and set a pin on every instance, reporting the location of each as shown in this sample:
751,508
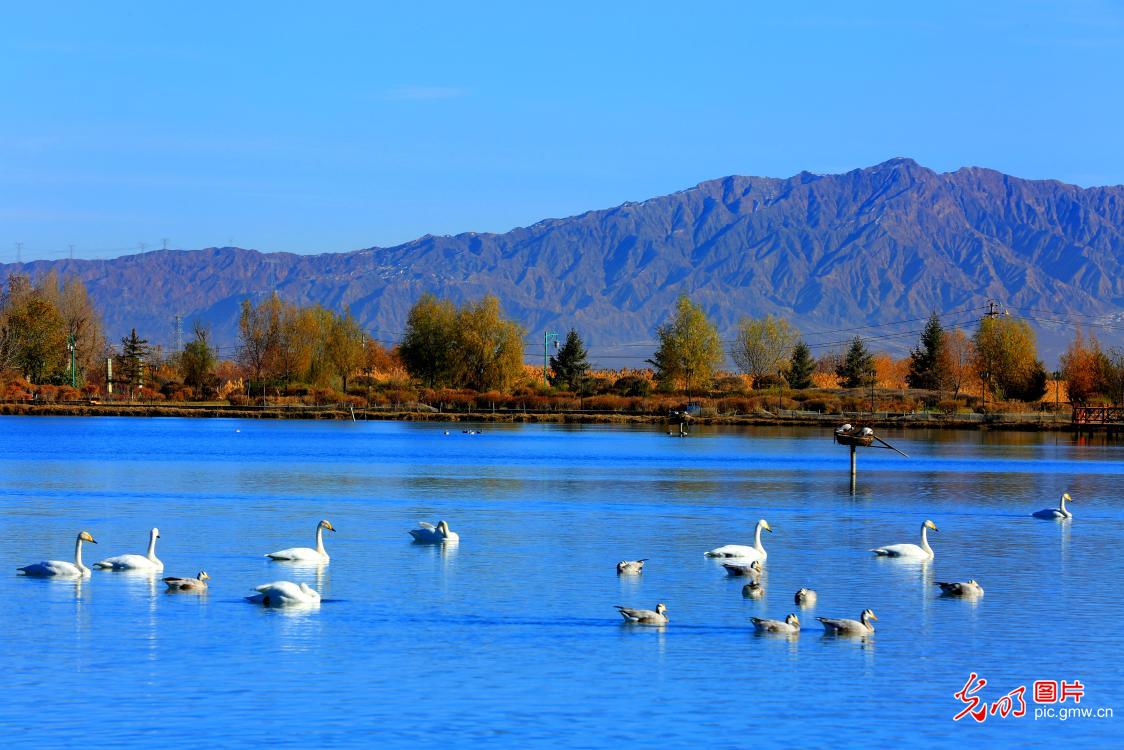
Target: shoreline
1012,422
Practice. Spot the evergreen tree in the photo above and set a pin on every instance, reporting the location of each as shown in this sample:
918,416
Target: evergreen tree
857,365
570,365
801,367
131,364
925,361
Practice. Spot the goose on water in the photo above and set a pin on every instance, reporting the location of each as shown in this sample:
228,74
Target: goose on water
756,552
1059,513
631,567
861,626
197,584
753,590
969,588
306,554
752,570
61,568
805,597
790,625
147,561
921,552
658,616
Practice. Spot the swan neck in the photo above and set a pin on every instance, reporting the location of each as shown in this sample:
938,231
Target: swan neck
78,554
757,540
320,540
1063,508
925,539
151,548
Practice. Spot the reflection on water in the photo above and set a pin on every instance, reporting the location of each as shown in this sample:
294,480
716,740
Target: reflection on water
513,633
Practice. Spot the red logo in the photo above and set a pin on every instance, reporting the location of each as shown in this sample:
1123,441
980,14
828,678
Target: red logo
1014,702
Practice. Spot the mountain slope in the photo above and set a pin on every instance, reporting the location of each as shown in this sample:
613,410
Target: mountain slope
874,245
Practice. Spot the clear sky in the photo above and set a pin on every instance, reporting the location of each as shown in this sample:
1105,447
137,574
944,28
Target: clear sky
329,127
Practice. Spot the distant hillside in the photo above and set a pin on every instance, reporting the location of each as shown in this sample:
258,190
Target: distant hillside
874,245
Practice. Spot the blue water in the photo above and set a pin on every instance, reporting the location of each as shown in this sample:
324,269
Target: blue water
511,638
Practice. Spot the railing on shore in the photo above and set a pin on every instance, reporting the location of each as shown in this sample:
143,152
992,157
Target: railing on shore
1091,415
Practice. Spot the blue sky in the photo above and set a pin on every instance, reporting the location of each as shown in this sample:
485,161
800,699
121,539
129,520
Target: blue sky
282,127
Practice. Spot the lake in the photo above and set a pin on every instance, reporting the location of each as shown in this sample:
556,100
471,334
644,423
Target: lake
511,639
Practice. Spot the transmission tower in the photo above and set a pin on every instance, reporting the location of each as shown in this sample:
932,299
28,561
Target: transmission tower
178,333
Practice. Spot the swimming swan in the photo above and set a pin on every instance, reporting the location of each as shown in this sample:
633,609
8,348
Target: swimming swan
922,551
790,626
849,627
645,616
756,552
306,554
148,561
430,534
285,594
631,567
970,588
1051,514
61,568
196,585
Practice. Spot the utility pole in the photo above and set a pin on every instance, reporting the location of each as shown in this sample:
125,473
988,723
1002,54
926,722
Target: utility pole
992,309
19,252
165,241
71,251
546,339
71,344
873,375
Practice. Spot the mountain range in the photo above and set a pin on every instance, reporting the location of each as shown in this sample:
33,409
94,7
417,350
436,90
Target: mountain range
866,252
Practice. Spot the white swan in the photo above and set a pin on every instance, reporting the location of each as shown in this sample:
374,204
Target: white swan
862,626
921,552
61,568
1051,514
148,561
195,585
285,594
430,534
756,552
306,554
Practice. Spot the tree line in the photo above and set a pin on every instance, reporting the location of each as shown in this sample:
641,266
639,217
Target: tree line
1001,355
474,346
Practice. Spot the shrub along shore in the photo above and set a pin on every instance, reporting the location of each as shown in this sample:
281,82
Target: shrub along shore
1027,421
